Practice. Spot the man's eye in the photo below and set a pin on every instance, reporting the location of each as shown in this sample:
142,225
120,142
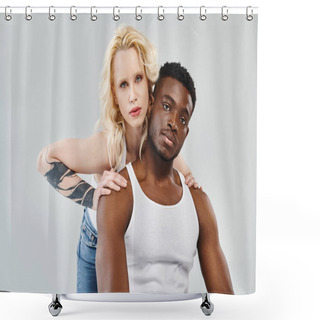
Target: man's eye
184,122
166,107
123,84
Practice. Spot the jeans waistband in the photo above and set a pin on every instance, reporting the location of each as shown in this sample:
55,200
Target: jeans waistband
87,221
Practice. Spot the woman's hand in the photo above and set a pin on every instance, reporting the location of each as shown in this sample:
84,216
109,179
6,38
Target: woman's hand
190,181
110,180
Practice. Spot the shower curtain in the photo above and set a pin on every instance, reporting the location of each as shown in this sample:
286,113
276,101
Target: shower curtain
50,74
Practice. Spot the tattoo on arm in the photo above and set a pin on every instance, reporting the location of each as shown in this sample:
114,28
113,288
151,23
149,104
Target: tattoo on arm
80,192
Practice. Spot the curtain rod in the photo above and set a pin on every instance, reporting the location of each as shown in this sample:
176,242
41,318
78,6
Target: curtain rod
127,9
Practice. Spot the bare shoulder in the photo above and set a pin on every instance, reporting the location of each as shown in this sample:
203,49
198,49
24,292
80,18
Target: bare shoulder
114,211
103,134
99,138
121,200
199,196
125,174
203,206
98,141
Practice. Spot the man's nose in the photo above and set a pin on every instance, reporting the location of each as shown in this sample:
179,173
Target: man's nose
172,122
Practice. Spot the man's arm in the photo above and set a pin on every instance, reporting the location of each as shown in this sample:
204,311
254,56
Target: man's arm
213,263
113,216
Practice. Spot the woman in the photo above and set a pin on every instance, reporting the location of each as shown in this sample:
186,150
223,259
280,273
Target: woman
129,72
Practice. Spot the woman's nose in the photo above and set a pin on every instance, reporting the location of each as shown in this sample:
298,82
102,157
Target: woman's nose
133,95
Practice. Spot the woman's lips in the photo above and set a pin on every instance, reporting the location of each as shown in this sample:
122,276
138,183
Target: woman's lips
135,111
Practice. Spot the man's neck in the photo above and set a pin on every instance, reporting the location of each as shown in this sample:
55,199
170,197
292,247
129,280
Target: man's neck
154,166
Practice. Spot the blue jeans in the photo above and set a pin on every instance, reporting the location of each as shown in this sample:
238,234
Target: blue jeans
86,252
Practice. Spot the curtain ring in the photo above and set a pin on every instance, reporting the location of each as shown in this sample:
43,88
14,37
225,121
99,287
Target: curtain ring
7,16
224,13
93,17
160,16
28,16
180,15
116,17
73,17
249,17
203,13
138,16
52,16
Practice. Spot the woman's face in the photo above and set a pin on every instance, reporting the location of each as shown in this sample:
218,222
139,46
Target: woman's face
130,87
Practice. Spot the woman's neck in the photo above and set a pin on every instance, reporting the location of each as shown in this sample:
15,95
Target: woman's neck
133,139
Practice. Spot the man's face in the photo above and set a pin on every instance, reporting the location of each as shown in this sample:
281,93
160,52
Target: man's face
169,118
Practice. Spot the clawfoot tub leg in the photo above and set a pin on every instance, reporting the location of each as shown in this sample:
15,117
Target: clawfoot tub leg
55,306
206,306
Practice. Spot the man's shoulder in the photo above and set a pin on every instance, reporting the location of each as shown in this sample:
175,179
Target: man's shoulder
198,194
202,203
124,172
121,197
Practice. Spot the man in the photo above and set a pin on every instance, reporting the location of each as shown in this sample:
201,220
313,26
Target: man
149,232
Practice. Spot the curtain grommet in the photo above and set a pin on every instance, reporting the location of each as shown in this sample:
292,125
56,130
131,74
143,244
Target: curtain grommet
28,16
203,13
7,16
51,17
180,13
249,17
224,13
160,16
138,16
93,17
116,17
73,16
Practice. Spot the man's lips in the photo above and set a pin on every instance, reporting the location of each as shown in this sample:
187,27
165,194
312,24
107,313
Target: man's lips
135,111
169,139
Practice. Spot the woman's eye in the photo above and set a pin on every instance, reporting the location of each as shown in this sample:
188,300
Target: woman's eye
166,107
184,122
138,78
123,84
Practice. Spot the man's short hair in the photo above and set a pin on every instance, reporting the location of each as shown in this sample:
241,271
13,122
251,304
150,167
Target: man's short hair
176,71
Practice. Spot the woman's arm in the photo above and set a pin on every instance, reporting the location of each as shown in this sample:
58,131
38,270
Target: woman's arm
181,165
60,161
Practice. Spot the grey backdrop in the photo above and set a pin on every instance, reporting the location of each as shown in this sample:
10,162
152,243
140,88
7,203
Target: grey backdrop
49,78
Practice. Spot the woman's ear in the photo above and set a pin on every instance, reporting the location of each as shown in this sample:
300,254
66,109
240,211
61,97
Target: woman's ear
114,95
151,101
149,111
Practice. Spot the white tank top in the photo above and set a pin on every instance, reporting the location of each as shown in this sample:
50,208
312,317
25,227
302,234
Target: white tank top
93,213
161,242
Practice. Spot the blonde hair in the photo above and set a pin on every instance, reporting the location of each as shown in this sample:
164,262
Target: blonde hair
125,37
